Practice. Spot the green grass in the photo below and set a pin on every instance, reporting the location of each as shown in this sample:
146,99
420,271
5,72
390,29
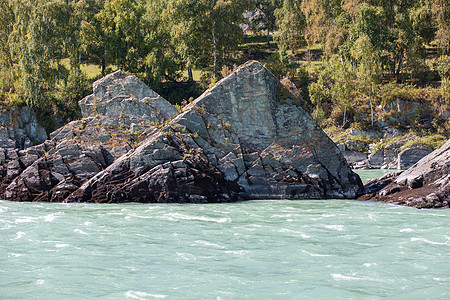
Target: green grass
196,74
91,70
433,141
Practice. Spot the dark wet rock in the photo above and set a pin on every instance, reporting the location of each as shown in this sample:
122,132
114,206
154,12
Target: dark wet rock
424,185
238,140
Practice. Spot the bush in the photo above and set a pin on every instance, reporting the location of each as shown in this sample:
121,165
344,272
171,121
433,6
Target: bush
280,66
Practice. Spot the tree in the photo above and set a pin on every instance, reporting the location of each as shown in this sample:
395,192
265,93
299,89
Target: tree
320,17
90,34
39,38
368,69
269,7
441,10
122,25
206,30
291,23
7,19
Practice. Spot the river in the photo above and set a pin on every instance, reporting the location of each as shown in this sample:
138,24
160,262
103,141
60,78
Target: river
324,249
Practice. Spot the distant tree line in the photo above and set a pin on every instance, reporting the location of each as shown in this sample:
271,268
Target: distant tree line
160,38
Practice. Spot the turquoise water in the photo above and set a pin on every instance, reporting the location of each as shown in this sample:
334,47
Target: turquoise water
250,250
366,175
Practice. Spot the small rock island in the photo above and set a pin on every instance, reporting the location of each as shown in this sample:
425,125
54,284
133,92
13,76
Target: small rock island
243,139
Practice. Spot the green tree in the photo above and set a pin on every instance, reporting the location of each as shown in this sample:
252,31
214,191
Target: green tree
205,31
121,21
291,24
441,10
39,39
89,34
367,68
269,7
7,20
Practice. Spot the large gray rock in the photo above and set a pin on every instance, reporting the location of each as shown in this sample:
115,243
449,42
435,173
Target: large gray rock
76,152
20,129
236,141
120,95
424,185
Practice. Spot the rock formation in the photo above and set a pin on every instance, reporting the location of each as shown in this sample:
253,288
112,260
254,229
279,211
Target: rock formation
243,139
424,185
19,128
236,141
397,155
76,152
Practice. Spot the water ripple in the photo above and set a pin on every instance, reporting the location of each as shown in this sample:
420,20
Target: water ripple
249,250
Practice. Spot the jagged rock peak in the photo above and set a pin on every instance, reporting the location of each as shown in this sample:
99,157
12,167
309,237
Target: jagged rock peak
119,94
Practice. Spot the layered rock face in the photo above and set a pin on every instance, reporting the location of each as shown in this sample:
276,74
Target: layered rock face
424,185
19,129
391,156
236,141
120,95
78,151
240,140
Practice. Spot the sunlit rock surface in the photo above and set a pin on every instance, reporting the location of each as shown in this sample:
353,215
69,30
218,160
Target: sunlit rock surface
237,141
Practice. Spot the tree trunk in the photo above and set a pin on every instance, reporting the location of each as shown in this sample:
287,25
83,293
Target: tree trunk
317,111
190,76
399,66
345,116
103,65
215,48
213,31
268,35
371,106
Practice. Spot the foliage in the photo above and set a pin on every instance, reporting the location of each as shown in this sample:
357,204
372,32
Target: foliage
433,141
375,53
291,23
280,66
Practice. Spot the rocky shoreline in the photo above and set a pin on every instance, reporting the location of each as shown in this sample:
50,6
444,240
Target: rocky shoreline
425,185
399,154
243,139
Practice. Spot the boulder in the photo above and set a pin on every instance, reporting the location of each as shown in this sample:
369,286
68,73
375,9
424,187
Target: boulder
239,140
425,185
19,128
354,158
376,158
408,157
120,95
